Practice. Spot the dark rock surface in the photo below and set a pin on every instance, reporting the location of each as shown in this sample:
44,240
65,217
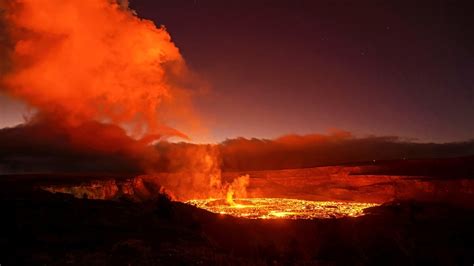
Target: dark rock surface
40,228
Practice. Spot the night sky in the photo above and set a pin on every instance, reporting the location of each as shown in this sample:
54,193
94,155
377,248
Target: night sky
403,68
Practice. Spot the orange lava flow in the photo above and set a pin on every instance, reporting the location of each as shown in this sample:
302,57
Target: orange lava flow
275,208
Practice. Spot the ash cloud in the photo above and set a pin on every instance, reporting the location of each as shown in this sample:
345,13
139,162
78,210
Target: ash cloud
89,69
94,60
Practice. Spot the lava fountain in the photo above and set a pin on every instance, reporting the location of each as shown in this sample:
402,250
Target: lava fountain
273,207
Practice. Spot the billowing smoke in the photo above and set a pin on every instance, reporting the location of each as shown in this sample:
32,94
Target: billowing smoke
194,172
93,60
105,84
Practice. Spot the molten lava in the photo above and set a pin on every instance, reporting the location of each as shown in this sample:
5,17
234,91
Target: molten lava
273,208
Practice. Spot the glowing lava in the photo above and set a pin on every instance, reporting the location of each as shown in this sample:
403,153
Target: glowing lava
274,208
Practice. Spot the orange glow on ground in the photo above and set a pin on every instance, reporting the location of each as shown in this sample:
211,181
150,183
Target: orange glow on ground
274,208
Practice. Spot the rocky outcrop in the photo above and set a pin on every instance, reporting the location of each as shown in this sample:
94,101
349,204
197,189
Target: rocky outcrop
107,189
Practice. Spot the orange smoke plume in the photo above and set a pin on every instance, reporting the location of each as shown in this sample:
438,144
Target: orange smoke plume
94,60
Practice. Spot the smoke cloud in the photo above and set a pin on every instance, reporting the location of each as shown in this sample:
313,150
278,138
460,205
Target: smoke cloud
104,85
94,60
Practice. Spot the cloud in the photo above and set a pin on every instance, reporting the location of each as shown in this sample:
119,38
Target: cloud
94,60
46,146
301,151
90,69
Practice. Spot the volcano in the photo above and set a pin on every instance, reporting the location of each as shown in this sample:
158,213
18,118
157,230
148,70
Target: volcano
107,219
189,133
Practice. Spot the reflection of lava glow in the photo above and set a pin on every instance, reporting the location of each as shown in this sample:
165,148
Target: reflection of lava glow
274,208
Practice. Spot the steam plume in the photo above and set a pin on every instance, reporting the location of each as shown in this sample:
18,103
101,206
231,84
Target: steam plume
93,60
91,69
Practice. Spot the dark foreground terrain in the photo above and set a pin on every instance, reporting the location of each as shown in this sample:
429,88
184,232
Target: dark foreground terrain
40,228
428,220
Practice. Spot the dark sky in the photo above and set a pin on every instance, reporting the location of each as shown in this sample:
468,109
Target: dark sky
402,68
371,67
